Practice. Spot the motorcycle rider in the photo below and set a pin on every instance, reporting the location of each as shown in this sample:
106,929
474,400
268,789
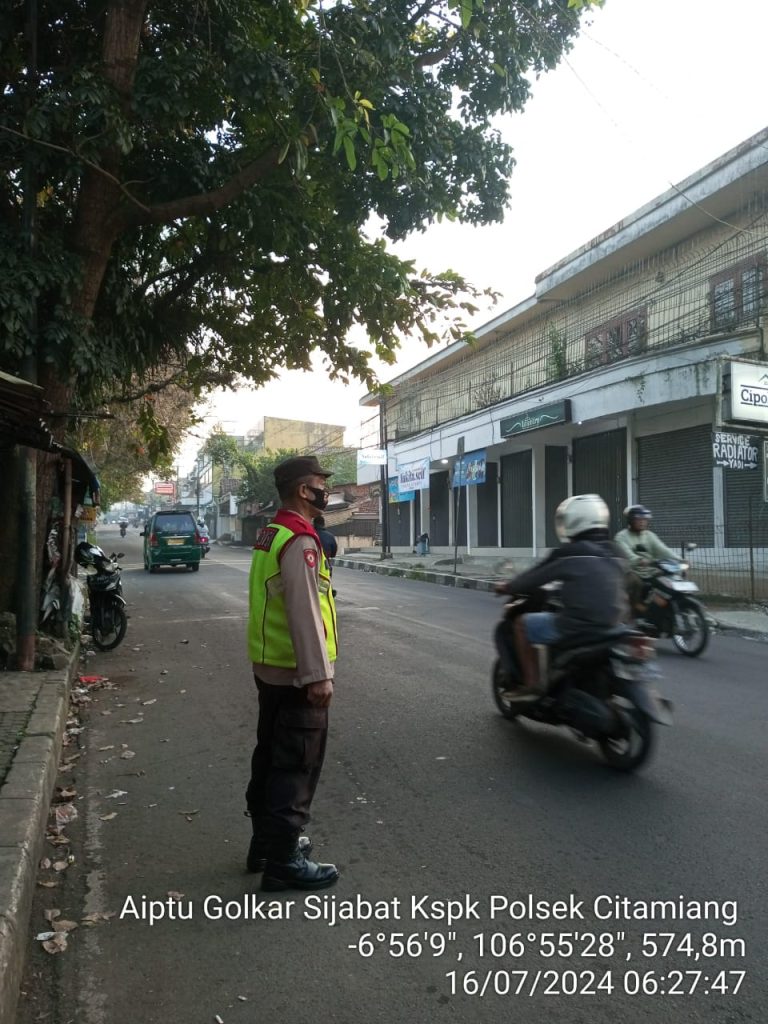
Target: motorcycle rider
592,571
641,547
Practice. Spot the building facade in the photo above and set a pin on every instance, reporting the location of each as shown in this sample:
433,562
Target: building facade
615,377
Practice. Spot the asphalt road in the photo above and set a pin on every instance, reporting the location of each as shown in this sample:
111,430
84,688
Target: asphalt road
445,820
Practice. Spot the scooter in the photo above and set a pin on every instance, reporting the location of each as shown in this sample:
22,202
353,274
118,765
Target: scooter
123,529
669,609
598,686
105,595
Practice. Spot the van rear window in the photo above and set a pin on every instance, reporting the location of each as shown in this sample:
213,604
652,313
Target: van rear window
174,525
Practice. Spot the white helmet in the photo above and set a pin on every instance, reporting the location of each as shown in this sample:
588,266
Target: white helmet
579,513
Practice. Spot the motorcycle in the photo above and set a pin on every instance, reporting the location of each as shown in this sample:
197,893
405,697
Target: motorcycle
669,609
123,529
600,687
105,595
205,539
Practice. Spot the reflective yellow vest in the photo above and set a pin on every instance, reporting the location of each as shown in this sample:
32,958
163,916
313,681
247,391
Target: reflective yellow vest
269,638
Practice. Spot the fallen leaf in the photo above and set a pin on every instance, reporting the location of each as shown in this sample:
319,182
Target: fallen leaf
127,755
51,915
45,864
64,926
57,944
106,712
48,885
164,672
188,813
67,794
44,936
111,746
131,721
97,917
116,793
218,1019
183,641
60,865
175,895
108,817
145,703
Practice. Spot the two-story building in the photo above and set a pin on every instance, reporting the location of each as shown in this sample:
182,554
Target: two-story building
617,376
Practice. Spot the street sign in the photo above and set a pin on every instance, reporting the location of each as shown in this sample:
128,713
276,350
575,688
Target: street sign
735,451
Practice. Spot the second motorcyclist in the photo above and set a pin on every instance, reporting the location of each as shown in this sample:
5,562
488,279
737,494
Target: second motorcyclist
592,572
641,547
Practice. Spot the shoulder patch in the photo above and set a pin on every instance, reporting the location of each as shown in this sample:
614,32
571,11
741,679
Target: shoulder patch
310,557
265,538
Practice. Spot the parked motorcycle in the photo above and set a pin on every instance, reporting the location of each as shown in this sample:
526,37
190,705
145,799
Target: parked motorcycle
105,595
669,609
598,686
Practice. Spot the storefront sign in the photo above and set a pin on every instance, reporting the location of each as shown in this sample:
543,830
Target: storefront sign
469,470
533,419
395,494
736,451
749,392
414,476
165,487
371,457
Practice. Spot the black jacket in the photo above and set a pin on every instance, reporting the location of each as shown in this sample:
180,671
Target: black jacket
592,572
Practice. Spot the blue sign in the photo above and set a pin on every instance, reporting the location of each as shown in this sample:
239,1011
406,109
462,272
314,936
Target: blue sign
395,494
469,470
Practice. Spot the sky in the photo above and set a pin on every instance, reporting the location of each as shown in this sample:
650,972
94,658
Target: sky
652,91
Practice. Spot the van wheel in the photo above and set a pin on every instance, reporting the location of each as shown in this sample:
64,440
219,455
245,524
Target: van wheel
195,567
153,568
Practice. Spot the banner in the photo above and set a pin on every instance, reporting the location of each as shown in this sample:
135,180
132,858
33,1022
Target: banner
396,495
413,476
371,457
469,470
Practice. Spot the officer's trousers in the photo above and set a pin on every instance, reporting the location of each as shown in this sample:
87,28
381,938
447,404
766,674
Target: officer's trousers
285,766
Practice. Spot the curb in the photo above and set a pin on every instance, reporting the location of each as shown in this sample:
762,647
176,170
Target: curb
25,800
425,575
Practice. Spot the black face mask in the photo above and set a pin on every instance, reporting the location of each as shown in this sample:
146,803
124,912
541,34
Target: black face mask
320,499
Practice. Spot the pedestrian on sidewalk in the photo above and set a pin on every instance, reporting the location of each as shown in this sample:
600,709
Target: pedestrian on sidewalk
292,644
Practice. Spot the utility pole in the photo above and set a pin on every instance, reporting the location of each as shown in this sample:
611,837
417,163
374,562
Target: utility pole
26,577
385,549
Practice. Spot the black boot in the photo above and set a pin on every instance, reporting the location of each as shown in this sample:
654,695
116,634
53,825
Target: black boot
296,872
257,852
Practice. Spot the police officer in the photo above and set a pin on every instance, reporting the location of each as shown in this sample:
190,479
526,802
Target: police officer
292,644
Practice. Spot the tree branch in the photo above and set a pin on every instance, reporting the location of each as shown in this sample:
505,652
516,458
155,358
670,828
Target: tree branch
82,159
209,202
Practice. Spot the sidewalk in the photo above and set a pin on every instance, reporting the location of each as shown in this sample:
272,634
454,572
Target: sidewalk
479,572
33,714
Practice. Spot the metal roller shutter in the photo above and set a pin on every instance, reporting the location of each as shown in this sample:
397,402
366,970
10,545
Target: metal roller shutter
517,500
600,467
675,480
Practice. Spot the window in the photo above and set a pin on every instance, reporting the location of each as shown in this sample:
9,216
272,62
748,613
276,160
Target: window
736,294
618,339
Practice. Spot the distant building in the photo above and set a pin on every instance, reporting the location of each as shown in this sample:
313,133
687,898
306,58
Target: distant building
615,377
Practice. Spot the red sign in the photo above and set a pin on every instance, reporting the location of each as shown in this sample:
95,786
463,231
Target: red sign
165,488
